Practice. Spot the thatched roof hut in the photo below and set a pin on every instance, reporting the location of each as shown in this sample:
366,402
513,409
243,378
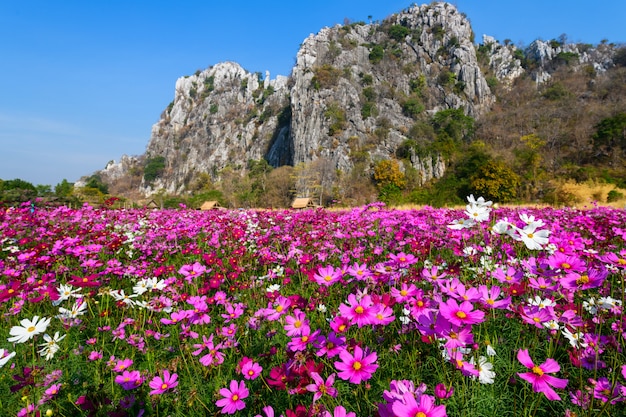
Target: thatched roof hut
303,202
210,205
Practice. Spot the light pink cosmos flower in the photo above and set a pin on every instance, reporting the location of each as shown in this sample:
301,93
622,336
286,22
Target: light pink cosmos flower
160,385
321,387
192,271
358,367
233,397
462,314
538,377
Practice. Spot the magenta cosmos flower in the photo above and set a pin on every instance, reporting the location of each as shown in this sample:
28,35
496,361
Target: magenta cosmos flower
160,385
538,376
358,367
462,314
424,406
233,397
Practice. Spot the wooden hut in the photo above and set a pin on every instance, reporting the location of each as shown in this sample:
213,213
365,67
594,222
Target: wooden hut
210,205
302,203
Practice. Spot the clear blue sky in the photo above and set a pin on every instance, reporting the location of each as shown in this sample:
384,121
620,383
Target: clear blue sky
82,82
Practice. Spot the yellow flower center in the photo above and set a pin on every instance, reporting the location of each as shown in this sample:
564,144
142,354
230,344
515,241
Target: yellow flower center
461,314
31,329
279,309
358,310
163,386
584,279
565,265
420,303
235,397
327,278
621,261
490,302
537,371
297,324
403,293
305,339
357,365
420,414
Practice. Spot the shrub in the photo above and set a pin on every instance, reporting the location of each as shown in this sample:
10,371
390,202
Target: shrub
376,54
325,76
614,196
398,32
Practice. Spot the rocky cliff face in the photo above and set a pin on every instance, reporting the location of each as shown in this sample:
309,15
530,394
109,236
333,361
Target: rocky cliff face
354,94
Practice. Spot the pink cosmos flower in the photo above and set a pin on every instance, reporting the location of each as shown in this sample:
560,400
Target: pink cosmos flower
339,411
359,311
129,380
462,314
233,397
358,367
424,406
321,387
251,370
122,365
327,276
294,325
538,377
160,385
192,271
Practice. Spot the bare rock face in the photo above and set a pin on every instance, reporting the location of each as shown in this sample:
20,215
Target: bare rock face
219,117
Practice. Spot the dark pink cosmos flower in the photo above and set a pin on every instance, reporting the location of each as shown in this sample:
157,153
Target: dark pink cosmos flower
539,378
462,314
358,367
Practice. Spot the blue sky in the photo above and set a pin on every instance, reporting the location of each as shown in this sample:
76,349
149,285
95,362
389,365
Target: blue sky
82,82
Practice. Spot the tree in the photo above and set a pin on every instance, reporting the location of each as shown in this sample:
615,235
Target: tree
389,179
494,180
64,188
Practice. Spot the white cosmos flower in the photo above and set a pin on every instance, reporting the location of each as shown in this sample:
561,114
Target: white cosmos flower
534,239
28,329
486,375
478,202
459,224
479,213
51,346
5,356
273,288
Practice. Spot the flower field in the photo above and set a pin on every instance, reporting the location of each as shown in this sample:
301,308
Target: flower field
365,312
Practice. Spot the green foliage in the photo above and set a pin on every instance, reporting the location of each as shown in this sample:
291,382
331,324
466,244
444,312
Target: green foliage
63,189
556,91
368,109
412,106
337,117
95,182
398,32
17,190
153,169
366,79
454,124
214,108
376,54
369,93
417,85
325,77
566,58
611,133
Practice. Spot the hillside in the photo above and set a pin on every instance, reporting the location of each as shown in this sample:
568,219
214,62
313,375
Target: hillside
411,108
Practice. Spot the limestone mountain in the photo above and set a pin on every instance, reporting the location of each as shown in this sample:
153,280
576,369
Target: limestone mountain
356,94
